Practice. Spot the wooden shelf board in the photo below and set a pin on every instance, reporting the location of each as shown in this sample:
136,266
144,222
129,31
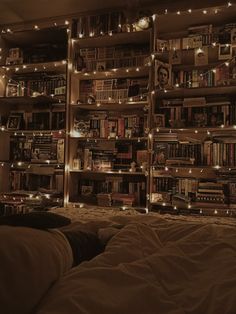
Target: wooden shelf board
196,92
27,100
115,39
112,172
112,106
88,139
111,74
52,66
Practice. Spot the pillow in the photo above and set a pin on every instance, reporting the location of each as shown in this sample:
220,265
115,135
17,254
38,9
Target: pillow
36,219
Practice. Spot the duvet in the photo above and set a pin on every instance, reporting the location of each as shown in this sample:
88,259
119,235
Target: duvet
150,265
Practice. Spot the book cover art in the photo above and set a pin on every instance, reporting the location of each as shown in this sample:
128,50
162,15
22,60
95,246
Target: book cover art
162,75
175,56
201,56
225,52
160,153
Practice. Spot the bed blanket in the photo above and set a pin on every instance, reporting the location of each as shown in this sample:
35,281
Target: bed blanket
153,265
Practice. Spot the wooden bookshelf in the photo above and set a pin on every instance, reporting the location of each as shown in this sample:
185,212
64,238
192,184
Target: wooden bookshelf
33,155
193,160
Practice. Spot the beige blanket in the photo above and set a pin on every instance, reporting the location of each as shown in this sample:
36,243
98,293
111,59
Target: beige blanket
153,265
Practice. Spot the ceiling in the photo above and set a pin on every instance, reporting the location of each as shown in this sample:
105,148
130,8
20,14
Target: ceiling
20,11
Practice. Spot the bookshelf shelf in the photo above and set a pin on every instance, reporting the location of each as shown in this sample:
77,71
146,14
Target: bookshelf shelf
27,100
196,91
115,39
112,172
19,69
126,72
125,139
112,106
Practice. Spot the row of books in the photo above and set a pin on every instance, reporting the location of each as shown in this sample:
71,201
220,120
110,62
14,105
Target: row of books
113,90
221,76
219,154
113,52
188,190
162,184
45,86
40,120
177,153
106,23
209,116
103,156
101,59
94,65
18,180
199,36
209,153
114,191
190,42
21,180
36,148
126,126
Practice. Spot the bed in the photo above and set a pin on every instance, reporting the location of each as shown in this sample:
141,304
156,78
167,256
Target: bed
151,264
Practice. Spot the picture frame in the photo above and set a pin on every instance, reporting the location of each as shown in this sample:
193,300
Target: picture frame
101,66
86,190
13,122
201,56
162,75
12,90
225,52
159,120
175,56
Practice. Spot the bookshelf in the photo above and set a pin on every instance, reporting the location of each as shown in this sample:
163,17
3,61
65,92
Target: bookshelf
108,114
102,129
32,109
193,123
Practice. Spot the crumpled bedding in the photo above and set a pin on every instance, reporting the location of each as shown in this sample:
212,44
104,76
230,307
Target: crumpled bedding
152,265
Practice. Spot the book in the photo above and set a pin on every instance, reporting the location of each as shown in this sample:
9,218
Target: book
201,56
162,79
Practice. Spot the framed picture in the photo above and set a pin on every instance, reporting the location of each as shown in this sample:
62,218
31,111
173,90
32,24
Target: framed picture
162,75
159,120
101,66
86,190
175,57
201,56
225,52
13,122
12,90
